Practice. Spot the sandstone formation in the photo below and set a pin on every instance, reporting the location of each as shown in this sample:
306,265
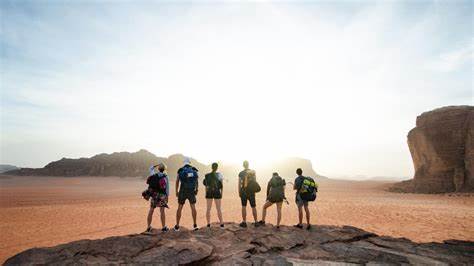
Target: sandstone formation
442,149
123,164
323,245
136,164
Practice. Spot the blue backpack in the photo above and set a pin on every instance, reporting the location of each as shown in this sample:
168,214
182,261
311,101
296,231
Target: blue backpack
188,176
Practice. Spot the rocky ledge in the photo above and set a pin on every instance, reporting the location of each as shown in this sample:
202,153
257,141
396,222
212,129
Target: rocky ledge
252,246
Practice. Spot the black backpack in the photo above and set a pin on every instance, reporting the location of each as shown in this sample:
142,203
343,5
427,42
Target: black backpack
156,184
212,182
308,189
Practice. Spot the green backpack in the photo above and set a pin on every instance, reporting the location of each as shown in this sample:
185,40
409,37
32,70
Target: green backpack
252,184
277,190
308,189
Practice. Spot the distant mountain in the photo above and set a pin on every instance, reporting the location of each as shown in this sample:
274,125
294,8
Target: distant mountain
136,164
123,164
7,167
388,178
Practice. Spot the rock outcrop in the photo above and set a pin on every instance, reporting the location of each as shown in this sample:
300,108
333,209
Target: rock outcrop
251,246
125,164
136,164
442,149
7,167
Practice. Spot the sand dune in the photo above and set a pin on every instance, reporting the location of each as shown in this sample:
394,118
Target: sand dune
45,211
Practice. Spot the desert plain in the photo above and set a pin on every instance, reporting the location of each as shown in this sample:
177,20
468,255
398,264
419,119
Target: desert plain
46,211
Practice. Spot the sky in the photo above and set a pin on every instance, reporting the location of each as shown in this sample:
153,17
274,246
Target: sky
340,83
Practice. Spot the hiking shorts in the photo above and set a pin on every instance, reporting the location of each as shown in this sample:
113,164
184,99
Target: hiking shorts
301,202
251,198
158,200
274,200
184,195
216,194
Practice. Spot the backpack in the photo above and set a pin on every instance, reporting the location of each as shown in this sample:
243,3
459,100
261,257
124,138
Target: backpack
212,182
158,182
252,184
277,189
308,189
188,176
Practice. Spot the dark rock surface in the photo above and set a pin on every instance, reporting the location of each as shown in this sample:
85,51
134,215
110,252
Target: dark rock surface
252,246
442,149
7,167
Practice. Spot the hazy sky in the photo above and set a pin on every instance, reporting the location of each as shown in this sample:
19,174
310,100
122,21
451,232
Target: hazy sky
340,84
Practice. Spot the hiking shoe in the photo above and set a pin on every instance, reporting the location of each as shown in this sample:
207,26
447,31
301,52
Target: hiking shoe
208,225
277,227
256,224
222,225
243,224
261,223
308,227
165,229
195,227
300,226
176,228
148,230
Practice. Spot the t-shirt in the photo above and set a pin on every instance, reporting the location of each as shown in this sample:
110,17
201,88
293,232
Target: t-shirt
299,182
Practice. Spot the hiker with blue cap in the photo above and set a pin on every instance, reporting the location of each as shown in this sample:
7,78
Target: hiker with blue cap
186,189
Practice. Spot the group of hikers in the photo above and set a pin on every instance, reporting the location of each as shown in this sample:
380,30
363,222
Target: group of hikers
187,188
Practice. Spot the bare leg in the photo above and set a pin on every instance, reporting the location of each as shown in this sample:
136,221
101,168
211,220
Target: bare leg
264,209
163,217
279,212
150,216
208,210
193,212
254,213
306,210
178,214
219,211
244,214
300,214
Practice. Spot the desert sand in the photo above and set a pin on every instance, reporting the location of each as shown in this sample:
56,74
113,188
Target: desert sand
46,211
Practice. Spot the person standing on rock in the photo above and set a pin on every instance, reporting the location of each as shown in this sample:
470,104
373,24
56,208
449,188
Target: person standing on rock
306,189
247,187
186,189
158,187
214,188
275,194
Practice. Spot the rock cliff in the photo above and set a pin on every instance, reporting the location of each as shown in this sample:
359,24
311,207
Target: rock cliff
7,167
442,149
115,164
136,164
252,246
